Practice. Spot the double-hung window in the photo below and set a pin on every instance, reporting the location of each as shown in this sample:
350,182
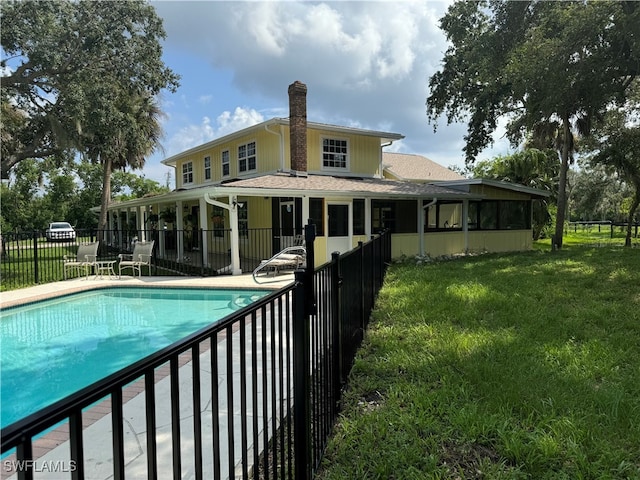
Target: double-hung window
335,154
187,173
207,168
247,157
225,163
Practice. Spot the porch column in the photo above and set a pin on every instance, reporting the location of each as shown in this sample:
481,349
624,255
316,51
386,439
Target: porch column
204,226
367,217
305,210
420,228
127,222
179,233
111,223
235,236
465,224
161,234
140,223
232,207
119,227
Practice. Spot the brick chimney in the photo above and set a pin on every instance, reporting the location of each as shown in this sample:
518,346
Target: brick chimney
298,127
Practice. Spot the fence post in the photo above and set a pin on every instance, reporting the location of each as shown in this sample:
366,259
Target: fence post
309,241
336,284
202,252
362,310
301,393
36,273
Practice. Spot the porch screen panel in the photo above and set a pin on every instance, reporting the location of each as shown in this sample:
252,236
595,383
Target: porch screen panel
316,213
383,215
450,215
515,215
489,215
406,212
473,215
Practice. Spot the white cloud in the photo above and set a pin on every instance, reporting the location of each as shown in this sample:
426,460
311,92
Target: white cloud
240,118
196,134
366,64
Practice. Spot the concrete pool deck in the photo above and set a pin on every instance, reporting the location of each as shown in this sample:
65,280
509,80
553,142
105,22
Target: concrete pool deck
97,431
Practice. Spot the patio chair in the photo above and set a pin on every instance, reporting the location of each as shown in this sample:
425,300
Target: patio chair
85,259
290,258
141,257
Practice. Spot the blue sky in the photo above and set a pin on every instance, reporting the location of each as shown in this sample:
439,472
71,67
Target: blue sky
366,65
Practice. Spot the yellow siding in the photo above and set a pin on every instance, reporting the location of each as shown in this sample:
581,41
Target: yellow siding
364,152
404,244
437,244
443,243
500,241
267,158
320,247
364,155
259,213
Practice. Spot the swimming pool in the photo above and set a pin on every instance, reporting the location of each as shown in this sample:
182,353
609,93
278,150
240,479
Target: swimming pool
53,348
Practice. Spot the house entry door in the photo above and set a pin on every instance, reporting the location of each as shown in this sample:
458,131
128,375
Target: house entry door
339,238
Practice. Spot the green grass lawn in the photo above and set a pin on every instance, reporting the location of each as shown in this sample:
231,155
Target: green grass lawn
511,366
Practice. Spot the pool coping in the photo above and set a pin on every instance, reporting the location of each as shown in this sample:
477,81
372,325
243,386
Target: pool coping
46,291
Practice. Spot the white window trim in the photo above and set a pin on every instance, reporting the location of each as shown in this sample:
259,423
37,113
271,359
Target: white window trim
188,164
347,167
223,163
248,170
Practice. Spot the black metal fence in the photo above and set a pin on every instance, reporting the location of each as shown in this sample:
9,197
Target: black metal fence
27,258
273,375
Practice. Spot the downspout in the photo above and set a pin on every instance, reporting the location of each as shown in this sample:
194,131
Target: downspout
421,224
279,134
380,167
232,207
465,225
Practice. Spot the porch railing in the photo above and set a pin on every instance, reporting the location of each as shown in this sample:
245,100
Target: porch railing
26,258
254,395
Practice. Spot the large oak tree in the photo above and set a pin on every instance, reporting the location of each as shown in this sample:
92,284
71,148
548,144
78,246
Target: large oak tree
549,68
81,76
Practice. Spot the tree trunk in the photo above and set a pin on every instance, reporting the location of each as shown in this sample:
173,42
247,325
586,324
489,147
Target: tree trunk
632,212
562,183
106,193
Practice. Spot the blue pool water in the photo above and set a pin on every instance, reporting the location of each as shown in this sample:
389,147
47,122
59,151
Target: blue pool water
53,348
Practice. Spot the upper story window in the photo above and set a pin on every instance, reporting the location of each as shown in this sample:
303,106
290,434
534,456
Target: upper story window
187,172
335,153
207,168
247,157
225,163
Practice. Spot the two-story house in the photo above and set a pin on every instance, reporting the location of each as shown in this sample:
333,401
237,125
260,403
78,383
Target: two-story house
242,197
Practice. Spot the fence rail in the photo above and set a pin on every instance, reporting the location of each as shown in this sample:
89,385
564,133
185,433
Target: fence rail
252,396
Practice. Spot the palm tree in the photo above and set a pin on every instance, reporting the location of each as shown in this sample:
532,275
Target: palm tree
120,134
620,151
560,136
